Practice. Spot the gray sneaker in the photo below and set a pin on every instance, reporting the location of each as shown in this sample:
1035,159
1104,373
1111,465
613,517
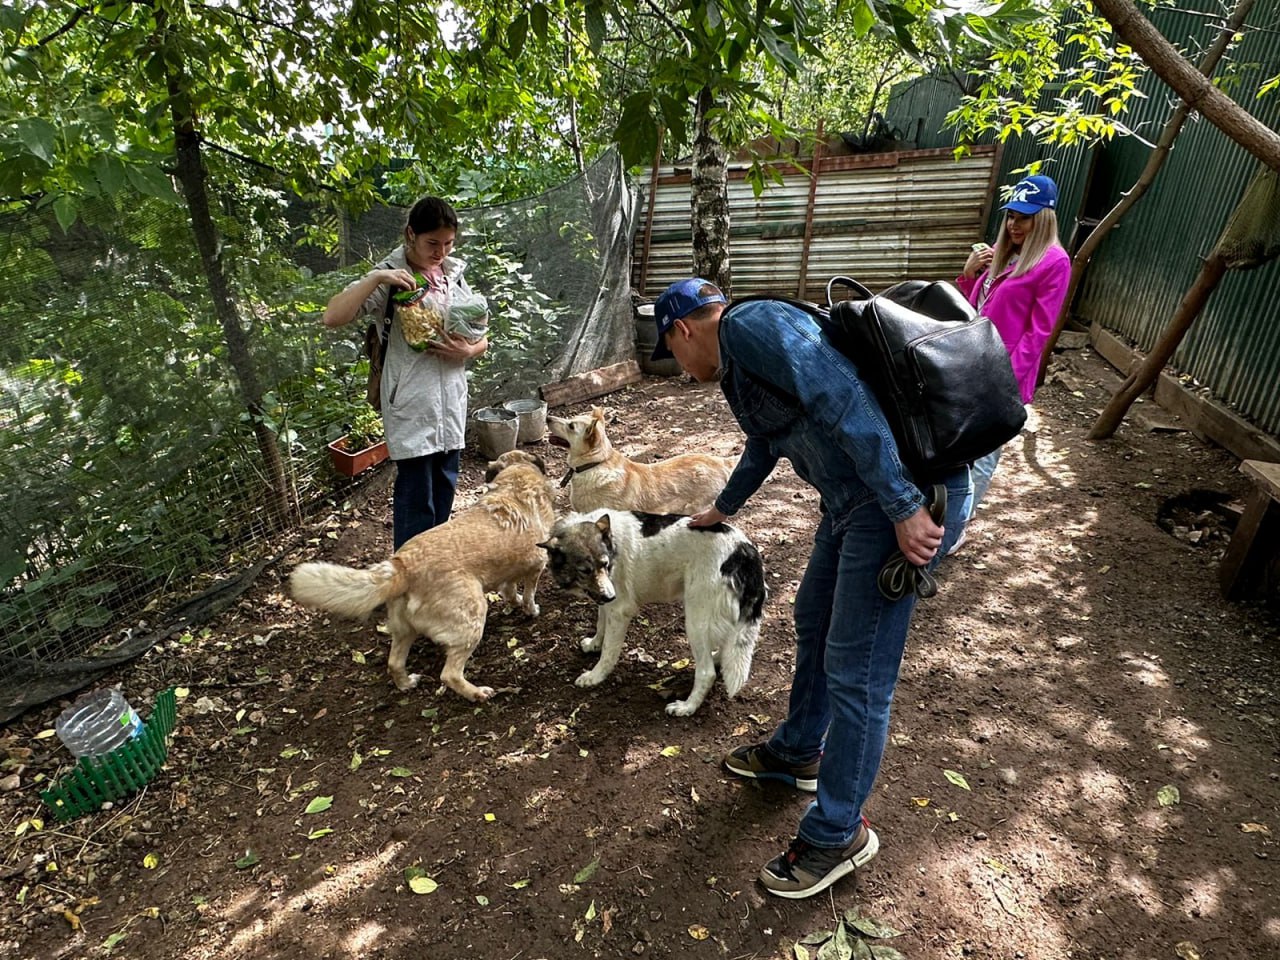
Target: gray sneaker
805,869
758,762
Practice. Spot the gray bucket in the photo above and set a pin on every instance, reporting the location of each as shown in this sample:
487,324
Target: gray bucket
495,431
646,340
533,419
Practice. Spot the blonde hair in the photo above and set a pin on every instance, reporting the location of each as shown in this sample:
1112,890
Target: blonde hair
1042,234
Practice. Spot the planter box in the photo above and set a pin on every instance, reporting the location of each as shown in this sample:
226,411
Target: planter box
349,464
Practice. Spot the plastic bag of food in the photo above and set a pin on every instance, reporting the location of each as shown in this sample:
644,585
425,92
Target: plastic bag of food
468,315
422,314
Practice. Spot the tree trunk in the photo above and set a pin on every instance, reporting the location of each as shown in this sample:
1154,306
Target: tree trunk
1154,162
1145,375
1189,83
709,198
280,507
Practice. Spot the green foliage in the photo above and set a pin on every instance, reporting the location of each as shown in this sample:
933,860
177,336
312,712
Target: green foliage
1063,79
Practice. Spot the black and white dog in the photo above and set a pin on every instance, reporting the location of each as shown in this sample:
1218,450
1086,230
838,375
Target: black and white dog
620,560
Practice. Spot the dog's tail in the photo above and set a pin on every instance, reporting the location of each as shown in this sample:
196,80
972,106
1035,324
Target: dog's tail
743,571
346,590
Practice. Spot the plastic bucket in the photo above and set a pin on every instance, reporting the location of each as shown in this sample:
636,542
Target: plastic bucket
533,419
646,340
495,431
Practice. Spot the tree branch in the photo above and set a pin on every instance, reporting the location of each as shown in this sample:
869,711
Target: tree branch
1189,83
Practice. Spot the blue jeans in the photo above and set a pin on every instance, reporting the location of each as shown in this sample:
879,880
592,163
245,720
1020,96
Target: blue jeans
984,469
849,643
423,494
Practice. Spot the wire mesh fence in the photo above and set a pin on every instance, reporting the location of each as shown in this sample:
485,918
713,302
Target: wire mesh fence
134,482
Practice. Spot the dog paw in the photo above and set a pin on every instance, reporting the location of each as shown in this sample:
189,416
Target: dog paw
590,644
481,694
681,708
533,609
589,679
410,681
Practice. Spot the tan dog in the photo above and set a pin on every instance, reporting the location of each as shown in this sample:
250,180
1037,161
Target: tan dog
435,585
601,476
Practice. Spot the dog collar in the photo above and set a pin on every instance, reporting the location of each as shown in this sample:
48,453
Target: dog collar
583,468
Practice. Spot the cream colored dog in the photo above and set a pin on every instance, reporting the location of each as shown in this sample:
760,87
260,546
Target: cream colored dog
435,585
601,476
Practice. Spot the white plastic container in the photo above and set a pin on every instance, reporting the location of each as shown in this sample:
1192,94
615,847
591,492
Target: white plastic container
98,723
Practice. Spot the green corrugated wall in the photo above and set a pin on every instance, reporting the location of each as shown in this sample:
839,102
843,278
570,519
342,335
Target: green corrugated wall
1141,271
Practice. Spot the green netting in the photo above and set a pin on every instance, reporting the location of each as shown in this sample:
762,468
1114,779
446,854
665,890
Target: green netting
1252,236
134,488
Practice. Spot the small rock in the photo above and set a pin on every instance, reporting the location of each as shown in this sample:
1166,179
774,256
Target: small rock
980,835
10,783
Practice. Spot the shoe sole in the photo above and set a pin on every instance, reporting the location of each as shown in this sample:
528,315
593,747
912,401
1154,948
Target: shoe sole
842,869
807,784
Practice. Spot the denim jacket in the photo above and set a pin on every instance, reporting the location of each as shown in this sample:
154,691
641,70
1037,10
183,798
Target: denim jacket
796,396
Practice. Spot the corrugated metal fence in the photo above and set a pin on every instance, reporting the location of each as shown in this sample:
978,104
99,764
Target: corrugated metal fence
879,218
1141,271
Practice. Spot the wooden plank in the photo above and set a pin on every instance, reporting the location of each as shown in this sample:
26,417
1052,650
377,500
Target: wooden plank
1249,567
1266,475
593,383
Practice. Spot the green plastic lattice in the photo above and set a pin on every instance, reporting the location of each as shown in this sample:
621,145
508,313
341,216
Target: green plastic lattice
129,767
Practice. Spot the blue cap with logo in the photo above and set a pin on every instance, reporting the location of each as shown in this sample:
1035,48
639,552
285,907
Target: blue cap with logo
677,302
1033,194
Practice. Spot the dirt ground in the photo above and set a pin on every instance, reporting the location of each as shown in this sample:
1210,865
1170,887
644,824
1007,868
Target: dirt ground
1077,662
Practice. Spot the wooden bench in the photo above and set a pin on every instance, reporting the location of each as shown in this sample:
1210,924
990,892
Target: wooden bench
1251,566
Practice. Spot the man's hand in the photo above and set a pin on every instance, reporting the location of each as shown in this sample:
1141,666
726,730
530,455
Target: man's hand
918,537
707,518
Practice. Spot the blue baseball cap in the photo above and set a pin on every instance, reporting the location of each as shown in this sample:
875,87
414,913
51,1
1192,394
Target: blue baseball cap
1033,194
677,302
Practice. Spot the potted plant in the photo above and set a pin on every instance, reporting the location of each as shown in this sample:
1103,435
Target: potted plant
363,445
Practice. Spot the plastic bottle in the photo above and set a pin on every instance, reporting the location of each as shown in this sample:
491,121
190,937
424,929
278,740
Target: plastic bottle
98,723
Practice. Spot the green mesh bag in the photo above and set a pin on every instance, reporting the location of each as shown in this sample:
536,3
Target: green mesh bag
128,768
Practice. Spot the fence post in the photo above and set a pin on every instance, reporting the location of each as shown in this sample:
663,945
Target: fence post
648,216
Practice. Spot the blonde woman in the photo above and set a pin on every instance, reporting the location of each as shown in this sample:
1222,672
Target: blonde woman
1019,284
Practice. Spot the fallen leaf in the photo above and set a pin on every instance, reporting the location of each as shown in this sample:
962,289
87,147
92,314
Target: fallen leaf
110,943
247,861
680,664
489,818
1261,828
1186,950
401,772
920,801
800,952
482,899
289,752
671,751
699,932
317,834
520,884
45,734
1168,795
151,861
72,919
587,872
357,656
319,805
956,778
874,928
181,693
421,885
591,912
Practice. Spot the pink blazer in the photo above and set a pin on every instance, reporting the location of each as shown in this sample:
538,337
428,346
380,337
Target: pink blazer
1024,310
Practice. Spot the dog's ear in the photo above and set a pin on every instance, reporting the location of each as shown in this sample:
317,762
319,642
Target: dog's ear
492,471
538,462
603,524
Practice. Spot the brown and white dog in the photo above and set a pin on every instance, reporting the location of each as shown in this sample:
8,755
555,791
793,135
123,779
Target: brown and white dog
435,585
600,476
